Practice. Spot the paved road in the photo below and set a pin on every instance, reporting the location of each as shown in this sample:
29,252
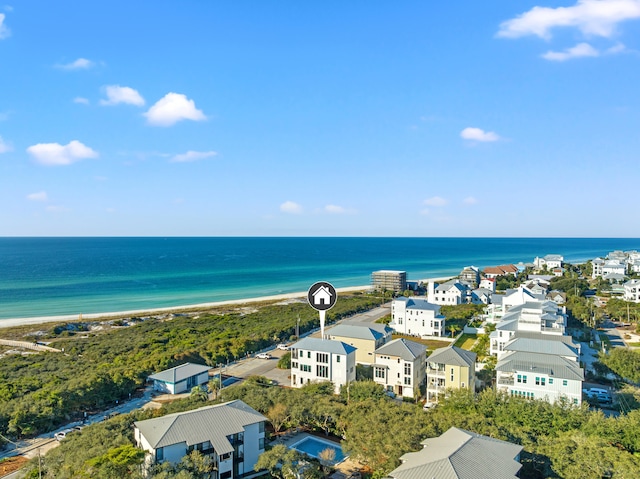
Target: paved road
613,334
237,371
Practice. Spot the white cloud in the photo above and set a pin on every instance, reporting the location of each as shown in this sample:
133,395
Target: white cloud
55,154
122,94
172,108
617,48
477,134
4,146
435,201
291,207
591,17
79,64
581,50
470,200
39,196
192,156
81,100
338,210
4,30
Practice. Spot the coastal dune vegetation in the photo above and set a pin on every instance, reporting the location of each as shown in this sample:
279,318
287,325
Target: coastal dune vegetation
39,392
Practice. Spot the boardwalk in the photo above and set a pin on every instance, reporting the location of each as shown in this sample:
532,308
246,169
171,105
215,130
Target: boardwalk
28,345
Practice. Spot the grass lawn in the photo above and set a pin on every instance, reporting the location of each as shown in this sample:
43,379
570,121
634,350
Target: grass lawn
431,344
466,341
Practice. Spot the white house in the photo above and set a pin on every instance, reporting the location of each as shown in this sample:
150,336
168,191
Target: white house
365,337
540,376
632,290
231,434
450,293
530,342
501,304
416,317
180,379
603,268
318,360
400,367
461,454
488,283
551,261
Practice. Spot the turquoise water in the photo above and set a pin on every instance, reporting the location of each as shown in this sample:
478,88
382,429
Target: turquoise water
313,446
68,276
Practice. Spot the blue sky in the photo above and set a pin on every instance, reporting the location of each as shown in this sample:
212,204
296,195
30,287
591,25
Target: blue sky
360,118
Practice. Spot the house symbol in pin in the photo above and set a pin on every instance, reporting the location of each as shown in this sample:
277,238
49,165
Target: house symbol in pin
322,295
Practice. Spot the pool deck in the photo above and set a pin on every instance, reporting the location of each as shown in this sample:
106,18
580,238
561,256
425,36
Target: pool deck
344,469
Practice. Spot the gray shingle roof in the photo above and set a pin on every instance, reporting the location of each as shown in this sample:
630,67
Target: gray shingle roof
548,364
417,303
179,373
453,355
324,345
403,348
210,423
460,454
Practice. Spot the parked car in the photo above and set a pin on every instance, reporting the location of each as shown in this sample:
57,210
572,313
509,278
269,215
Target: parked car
59,436
282,347
263,356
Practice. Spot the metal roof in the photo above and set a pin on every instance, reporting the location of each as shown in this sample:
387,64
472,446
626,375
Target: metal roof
179,373
403,348
453,355
358,331
416,303
554,366
460,454
541,345
210,423
324,346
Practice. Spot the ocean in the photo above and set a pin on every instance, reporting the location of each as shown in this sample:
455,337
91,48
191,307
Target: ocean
70,276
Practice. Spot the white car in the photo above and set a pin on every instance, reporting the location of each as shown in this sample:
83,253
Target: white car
282,347
263,356
59,436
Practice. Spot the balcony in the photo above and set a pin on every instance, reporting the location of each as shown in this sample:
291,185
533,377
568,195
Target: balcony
505,382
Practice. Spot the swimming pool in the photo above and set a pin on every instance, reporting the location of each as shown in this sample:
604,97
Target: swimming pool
313,446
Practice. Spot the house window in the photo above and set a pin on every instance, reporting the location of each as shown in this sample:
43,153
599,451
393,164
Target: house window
294,365
261,443
225,456
322,371
159,454
550,380
337,359
564,382
524,379
261,427
305,368
407,381
225,475
379,373
308,354
322,357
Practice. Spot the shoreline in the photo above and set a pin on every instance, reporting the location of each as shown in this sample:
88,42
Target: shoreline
17,322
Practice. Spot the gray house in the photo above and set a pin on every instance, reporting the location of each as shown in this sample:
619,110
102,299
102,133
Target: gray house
231,434
180,379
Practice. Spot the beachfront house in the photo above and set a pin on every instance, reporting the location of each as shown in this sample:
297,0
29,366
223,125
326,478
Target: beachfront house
231,434
366,338
400,367
450,368
416,317
320,360
461,454
502,270
549,262
180,379
471,276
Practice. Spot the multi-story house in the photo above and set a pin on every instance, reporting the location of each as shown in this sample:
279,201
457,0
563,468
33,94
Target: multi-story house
451,293
180,379
400,367
231,434
319,360
502,303
551,261
530,342
632,290
366,338
416,317
450,368
540,375
471,276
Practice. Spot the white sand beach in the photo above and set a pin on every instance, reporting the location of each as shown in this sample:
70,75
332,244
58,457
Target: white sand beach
12,322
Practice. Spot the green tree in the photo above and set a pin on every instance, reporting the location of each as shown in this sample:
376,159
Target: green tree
285,361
